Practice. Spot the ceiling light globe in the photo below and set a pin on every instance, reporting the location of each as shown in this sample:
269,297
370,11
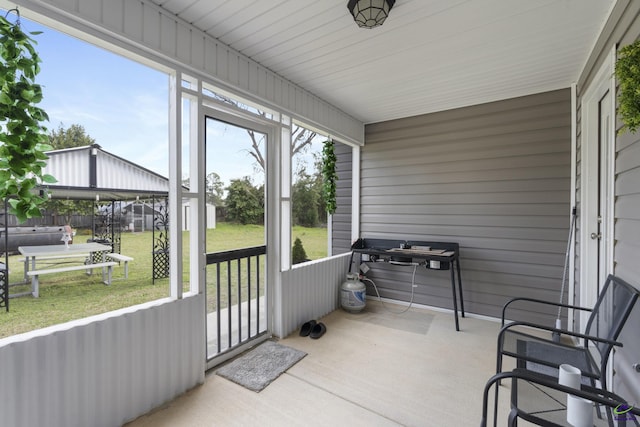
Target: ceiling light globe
370,13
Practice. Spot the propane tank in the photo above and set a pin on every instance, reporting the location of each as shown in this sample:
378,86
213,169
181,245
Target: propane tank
353,294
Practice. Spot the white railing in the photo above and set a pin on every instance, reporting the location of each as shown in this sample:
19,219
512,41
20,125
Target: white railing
108,369
310,291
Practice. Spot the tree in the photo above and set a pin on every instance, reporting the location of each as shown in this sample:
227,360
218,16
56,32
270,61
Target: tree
301,138
214,189
318,186
305,200
66,208
74,136
244,202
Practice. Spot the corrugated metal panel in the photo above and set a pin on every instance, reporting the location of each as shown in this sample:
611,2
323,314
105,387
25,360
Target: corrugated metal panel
70,167
172,39
102,372
494,178
311,290
113,172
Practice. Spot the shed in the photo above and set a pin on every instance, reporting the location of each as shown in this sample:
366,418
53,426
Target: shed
89,172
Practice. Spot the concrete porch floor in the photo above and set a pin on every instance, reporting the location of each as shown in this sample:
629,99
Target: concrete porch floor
374,368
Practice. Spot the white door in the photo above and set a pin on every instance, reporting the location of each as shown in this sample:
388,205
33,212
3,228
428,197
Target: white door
237,276
596,184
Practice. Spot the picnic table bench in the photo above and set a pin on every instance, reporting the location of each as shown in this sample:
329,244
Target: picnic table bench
120,258
107,269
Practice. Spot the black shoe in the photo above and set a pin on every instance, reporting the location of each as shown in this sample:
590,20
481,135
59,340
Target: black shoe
306,328
317,331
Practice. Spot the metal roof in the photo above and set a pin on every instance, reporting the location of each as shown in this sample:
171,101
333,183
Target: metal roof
87,172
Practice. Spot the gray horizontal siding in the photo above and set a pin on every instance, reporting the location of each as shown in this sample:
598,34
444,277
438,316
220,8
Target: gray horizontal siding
623,28
495,178
341,221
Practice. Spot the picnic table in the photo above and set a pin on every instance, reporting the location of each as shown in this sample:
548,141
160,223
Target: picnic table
62,253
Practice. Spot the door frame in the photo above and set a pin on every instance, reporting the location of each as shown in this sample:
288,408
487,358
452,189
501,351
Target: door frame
590,186
271,221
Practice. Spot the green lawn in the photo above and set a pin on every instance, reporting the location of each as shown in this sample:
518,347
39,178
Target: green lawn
74,295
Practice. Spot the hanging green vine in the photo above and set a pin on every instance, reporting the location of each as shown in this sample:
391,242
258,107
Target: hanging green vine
329,176
23,140
628,75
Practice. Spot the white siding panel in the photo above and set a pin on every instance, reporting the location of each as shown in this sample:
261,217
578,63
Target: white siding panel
186,42
197,49
113,14
91,9
311,290
133,18
222,64
105,370
290,97
168,35
233,68
210,54
69,5
262,82
269,86
151,35
278,86
244,74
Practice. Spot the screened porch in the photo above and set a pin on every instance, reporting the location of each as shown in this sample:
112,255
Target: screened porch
479,123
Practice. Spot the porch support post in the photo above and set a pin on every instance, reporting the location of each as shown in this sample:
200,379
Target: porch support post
355,193
175,186
278,218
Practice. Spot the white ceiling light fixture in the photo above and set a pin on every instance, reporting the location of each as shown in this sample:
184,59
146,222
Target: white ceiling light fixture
370,13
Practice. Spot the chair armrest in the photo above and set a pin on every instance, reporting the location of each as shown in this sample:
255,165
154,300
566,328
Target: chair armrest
599,396
538,301
557,330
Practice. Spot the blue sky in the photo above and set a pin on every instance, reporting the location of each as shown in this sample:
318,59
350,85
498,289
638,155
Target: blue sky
121,104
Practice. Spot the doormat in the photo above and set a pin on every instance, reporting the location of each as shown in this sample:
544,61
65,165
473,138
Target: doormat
257,368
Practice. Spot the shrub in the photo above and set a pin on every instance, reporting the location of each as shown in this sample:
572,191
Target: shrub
298,254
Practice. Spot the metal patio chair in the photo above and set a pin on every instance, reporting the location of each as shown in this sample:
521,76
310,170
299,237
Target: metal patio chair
535,349
540,400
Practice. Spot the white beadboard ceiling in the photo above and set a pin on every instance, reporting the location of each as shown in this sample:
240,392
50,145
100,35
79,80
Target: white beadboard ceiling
430,55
